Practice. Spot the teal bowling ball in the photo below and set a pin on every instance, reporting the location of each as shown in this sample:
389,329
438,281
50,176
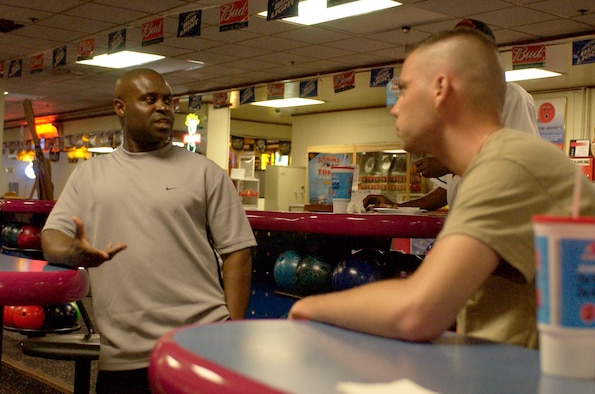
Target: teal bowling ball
313,275
284,270
10,234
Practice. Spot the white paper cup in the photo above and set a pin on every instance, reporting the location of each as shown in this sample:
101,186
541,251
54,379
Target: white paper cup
340,205
565,282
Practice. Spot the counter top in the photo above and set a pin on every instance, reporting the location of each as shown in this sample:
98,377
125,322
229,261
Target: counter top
277,356
426,225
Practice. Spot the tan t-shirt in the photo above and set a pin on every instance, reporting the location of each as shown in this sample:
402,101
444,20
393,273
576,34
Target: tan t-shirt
514,177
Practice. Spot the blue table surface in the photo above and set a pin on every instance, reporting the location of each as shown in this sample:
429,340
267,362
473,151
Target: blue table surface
311,357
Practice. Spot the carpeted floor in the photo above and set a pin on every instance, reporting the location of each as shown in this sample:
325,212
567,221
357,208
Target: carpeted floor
22,374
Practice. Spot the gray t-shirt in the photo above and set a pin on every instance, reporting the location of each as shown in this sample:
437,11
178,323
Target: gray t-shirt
159,204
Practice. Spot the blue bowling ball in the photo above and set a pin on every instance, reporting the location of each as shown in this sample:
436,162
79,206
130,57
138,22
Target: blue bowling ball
313,275
354,271
284,270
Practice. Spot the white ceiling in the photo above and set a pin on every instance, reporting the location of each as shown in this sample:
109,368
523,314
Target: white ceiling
263,52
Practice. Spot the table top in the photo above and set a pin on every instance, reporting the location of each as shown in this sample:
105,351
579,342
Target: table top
276,356
426,225
35,282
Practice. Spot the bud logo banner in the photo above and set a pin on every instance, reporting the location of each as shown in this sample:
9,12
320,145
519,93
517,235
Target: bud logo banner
233,16
152,32
528,56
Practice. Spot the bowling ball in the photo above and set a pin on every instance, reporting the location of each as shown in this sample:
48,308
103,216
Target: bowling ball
355,271
313,275
284,270
9,316
400,265
9,235
29,237
30,317
60,316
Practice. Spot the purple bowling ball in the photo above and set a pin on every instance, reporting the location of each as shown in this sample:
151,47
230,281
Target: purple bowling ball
354,271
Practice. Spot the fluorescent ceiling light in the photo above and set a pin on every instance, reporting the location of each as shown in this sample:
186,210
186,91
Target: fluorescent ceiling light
121,59
288,102
529,73
311,12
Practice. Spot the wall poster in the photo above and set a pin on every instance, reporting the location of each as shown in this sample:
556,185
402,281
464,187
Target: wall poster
551,120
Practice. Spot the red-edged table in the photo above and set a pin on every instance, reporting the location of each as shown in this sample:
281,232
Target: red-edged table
35,282
288,356
426,225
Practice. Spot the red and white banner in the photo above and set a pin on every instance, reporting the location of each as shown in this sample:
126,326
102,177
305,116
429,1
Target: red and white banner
233,16
152,32
344,81
528,56
275,91
85,49
36,64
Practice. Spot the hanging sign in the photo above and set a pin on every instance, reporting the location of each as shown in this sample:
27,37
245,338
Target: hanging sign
379,77
583,52
15,68
309,88
247,95
85,49
233,16
528,56
279,9
36,64
116,41
59,57
344,81
152,32
275,91
189,23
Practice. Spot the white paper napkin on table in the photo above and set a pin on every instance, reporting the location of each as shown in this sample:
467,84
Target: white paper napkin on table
402,386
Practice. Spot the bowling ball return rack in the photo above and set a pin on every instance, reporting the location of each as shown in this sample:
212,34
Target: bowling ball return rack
62,344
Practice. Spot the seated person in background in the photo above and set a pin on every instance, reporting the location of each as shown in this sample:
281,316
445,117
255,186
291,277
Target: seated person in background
519,113
481,268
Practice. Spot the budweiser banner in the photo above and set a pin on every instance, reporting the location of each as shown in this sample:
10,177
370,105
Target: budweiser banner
233,16
583,52
194,103
279,9
116,41
247,95
309,88
275,91
15,68
59,57
36,64
152,32
85,49
189,24
379,77
220,100
344,81
528,56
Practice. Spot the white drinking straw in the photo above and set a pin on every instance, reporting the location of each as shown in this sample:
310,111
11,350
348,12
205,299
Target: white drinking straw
576,192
